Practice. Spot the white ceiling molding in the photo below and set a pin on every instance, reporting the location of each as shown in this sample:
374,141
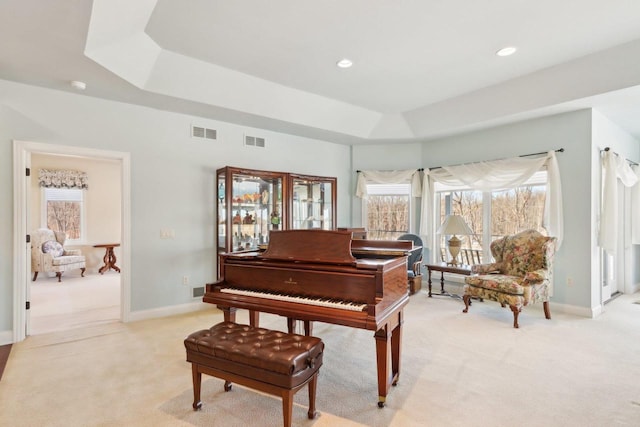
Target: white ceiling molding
135,57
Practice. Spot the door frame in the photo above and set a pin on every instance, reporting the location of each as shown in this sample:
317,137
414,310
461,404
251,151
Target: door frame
22,151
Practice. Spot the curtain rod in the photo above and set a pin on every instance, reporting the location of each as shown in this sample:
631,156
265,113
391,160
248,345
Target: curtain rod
609,148
419,170
559,150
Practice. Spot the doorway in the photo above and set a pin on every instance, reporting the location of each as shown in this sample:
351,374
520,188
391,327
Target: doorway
24,154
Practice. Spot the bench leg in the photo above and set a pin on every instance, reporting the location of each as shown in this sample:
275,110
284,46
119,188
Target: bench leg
287,406
197,382
312,396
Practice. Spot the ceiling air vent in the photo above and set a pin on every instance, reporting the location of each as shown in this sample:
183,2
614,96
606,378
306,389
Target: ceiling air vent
202,132
254,141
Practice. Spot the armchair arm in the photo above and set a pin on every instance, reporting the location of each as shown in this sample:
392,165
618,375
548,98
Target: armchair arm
486,268
68,252
536,276
417,267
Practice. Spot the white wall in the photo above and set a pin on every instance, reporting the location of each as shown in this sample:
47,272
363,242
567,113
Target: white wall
172,180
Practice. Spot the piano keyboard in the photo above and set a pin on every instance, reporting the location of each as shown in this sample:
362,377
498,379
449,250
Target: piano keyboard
319,301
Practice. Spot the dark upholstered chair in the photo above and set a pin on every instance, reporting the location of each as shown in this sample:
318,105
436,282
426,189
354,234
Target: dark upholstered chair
520,275
414,263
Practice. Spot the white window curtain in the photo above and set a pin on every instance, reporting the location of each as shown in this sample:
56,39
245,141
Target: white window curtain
614,168
52,178
388,177
496,175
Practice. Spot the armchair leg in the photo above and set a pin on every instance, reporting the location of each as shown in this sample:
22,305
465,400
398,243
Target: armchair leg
467,302
516,312
547,312
82,272
35,274
59,275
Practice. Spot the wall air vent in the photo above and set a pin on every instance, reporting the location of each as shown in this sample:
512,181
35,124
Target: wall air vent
254,141
198,292
202,132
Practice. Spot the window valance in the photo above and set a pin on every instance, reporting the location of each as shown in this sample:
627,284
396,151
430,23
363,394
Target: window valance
388,177
52,178
497,175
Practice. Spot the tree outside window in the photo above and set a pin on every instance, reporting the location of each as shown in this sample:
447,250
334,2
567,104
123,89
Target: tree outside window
387,211
63,211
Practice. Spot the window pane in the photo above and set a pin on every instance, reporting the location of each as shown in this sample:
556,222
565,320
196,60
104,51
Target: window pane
64,211
517,210
387,216
467,204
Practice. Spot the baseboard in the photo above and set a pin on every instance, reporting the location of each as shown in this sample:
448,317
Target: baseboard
576,310
155,313
6,337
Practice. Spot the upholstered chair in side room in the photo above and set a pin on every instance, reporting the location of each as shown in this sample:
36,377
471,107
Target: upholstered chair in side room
414,263
521,274
49,255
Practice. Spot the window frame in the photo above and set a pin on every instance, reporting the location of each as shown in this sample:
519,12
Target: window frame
539,178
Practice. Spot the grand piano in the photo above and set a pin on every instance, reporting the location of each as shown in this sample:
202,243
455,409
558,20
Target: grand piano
313,275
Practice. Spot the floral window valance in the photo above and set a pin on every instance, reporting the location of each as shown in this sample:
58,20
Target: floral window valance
49,178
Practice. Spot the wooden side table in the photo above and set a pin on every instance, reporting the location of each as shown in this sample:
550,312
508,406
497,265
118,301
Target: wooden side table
444,268
109,257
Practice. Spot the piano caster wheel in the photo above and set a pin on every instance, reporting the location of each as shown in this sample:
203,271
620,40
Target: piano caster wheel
227,386
197,406
381,401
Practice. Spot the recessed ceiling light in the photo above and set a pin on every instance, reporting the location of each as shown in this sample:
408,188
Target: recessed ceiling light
78,85
344,63
506,51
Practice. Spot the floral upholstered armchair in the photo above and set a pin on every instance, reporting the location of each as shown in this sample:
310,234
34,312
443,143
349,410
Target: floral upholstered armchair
521,274
49,255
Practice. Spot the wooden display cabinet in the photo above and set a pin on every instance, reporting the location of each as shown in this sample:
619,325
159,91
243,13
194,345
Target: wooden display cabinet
311,202
250,205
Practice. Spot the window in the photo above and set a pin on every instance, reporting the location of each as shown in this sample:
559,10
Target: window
492,215
386,210
63,210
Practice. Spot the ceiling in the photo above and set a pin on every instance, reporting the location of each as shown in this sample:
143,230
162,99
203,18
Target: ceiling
422,68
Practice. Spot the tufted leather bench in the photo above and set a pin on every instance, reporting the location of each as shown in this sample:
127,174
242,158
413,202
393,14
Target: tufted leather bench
270,361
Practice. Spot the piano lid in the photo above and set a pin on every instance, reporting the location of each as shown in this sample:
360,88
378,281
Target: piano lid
319,246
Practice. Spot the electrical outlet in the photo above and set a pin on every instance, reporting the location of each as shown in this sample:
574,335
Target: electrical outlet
569,281
185,280
167,233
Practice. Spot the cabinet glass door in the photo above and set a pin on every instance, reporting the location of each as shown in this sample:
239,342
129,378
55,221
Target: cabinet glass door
312,204
249,206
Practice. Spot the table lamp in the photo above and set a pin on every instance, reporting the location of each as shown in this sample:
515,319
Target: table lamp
452,225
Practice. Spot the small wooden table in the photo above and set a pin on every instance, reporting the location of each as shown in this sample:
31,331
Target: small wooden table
109,257
444,268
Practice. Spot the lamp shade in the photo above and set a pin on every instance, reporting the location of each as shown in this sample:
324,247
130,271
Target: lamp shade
454,224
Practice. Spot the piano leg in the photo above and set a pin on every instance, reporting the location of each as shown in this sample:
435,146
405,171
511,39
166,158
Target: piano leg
388,340
254,318
230,315
292,329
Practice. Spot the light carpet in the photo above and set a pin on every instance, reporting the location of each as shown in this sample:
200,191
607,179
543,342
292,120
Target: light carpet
457,369
75,302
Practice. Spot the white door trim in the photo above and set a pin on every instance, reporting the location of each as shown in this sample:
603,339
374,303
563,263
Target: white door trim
22,151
